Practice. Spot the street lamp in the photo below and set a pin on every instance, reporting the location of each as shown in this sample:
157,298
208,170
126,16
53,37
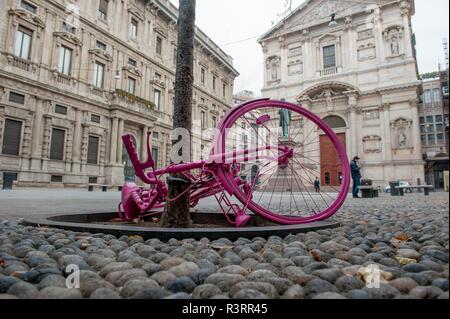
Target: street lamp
333,22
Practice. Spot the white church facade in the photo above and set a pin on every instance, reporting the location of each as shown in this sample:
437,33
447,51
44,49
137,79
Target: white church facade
357,70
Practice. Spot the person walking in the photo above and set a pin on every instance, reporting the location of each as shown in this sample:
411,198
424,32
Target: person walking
317,185
356,176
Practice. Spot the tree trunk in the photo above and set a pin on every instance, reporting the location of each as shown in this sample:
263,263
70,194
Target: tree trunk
177,212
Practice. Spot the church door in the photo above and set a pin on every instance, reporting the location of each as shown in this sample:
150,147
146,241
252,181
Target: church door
330,165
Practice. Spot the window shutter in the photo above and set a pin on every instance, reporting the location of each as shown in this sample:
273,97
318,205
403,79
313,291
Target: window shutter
11,137
93,150
57,147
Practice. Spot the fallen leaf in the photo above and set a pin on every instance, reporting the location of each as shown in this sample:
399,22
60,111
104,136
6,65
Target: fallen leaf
315,255
17,274
403,237
405,261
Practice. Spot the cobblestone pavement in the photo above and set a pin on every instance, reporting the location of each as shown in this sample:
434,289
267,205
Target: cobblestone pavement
403,241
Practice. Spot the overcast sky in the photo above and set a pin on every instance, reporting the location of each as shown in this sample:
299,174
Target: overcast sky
235,25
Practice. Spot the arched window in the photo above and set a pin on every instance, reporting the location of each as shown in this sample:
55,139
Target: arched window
334,121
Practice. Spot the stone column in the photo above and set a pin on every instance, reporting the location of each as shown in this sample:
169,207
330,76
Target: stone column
353,104
76,166
119,142
386,115
407,31
113,145
36,149
416,140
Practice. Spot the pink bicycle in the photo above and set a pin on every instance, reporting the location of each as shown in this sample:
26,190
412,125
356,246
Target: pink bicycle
253,168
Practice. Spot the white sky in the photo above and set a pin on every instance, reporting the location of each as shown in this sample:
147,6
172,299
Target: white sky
235,25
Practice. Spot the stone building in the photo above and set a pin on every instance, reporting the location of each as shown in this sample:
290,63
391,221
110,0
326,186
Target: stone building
358,72
432,128
76,75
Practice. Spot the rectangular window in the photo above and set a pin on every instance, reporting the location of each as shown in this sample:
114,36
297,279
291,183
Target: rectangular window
436,97
430,128
214,122
224,90
155,135
11,137
203,119
65,60
424,139
57,144
440,137
438,118
100,45
132,62
203,76
93,144
429,119
423,129
439,127
157,99
329,57
427,98
92,180
155,155
95,118
23,43
431,139
131,86
422,120
56,179
28,6
99,71
60,109
158,45
214,83
133,29
103,9
16,98
175,56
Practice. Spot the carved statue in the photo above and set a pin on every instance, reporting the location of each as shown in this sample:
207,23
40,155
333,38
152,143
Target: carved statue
402,138
285,121
395,46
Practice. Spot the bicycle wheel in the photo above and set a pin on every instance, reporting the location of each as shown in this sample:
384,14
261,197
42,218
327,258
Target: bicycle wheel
283,171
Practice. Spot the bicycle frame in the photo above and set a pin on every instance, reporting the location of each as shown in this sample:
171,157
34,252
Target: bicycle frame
199,188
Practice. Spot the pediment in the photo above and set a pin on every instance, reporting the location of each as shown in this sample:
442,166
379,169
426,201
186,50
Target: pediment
25,15
101,54
68,37
314,12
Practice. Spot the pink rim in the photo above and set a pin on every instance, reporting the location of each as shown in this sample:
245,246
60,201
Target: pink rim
223,174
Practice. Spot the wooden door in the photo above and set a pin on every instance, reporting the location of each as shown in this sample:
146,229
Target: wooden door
330,165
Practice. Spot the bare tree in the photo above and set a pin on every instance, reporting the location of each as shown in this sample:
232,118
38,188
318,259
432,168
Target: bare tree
177,211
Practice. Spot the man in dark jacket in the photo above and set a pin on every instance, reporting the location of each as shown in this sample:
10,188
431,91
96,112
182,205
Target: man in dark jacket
356,176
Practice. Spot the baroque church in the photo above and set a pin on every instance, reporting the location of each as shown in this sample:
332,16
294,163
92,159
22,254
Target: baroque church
353,63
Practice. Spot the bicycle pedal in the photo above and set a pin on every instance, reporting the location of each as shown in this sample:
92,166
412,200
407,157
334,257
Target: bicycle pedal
242,220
